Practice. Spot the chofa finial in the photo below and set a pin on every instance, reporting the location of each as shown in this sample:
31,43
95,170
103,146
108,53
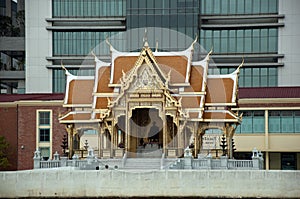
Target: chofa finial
63,67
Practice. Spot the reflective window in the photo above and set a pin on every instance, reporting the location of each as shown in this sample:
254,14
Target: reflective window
177,15
241,41
284,121
253,122
232,7
251,77
81,43
88,8
59,78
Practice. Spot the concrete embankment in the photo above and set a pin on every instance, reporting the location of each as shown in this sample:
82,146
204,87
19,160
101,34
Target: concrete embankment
177,183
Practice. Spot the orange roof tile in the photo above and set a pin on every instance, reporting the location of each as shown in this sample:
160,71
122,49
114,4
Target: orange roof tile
101,103
219,90
218,115
77,116
190,102
196,79
177,64
103,80
124,63
80,91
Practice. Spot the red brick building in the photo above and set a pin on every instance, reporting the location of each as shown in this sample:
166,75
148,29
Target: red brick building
22,118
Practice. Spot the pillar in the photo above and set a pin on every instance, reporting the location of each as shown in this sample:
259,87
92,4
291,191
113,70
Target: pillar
70,130
229,132
100,137
164,134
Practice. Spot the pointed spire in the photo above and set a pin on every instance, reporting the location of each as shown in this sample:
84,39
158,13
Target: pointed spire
208,55
156,46
195,41
237,71
95,57
111,48
145,39
63,67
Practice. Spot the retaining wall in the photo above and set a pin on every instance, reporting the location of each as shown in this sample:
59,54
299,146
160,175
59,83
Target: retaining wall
68,182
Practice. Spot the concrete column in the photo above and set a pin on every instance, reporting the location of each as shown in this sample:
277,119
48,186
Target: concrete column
187,159
63,161
224,162
36,159
267,139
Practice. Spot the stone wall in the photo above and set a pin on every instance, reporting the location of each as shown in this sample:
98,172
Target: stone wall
68,182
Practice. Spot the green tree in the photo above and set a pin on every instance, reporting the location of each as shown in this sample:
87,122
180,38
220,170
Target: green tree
3,153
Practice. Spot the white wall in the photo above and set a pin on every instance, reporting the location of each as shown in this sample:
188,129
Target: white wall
289,43
38,46
108,183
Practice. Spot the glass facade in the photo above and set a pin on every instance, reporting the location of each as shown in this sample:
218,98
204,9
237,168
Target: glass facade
253,122
59,78
238,7
252,77
88,8
284,121
82,43
263,40
178,15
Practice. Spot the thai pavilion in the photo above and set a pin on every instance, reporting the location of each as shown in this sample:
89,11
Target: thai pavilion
155,103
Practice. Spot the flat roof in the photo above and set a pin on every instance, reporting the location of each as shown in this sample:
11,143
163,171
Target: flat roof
269,92
35,96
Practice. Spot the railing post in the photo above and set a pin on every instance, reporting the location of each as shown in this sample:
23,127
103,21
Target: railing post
63,161
255,159
224,162
74,160
187,159
36,159
90,157
162,161
56,156
209,165
124,159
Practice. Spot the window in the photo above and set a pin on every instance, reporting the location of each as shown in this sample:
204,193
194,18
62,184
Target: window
241,7
44,132
88,8
81,43
45,152
44,118
288,161
251,77
253,122
44,135
284,121
241,41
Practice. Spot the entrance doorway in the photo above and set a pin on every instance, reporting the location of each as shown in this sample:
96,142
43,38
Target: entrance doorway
146,133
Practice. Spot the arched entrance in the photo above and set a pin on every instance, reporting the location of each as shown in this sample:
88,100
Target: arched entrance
145,133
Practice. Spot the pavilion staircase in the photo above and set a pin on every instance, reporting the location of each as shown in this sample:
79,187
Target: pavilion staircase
143,163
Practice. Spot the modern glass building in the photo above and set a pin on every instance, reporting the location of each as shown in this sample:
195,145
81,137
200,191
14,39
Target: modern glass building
262,32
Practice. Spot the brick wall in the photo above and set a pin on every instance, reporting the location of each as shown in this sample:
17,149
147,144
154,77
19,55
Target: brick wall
27,133
8,129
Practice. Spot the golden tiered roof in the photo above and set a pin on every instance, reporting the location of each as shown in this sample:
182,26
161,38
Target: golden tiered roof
197,95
